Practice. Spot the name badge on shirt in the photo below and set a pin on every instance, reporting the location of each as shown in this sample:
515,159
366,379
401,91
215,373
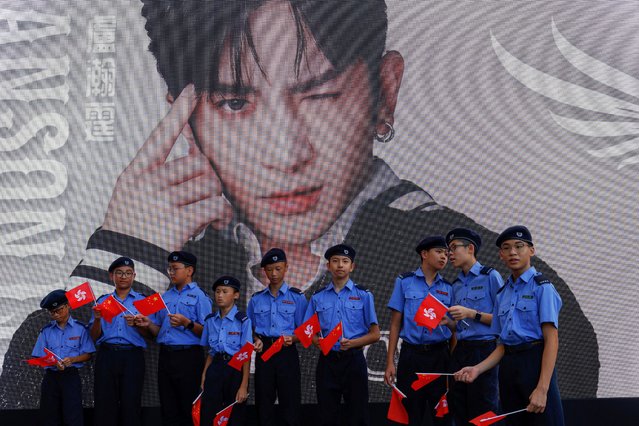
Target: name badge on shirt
288,302
74,338
527,296
191,295
234,333
478,287
445,293
354,298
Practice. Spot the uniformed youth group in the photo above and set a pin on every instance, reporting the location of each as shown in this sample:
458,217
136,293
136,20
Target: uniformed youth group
499,339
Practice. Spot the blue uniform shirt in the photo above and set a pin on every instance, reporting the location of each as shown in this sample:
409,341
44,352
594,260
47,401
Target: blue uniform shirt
478,291
353,306
190,302
522,306
409,292
117,331
277,316
226,335
72,340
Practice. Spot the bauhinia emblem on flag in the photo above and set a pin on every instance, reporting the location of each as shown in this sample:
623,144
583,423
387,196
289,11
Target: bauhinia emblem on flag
430,312
44,361
307,330
110,308
222,418
275,348
423,379
80,295
329,341
441,409
242,356
396,410
150,305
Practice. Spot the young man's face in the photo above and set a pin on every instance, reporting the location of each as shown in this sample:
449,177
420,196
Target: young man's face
179,273
516,254
225,296
435,258
340,267
61,313
275,272
459,253
123,277
292,150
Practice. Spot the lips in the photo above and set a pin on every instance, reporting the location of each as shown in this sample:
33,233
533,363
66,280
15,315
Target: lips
294,202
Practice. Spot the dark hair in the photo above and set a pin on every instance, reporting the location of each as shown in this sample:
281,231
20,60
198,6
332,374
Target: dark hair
188,36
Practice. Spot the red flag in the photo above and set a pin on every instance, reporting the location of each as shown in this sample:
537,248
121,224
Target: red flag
150,305
329,341
222,418
80,295
110,308
483,419
275,348
44,361
396,410
423,380
307,330
441,409
195,411
242,356
430,312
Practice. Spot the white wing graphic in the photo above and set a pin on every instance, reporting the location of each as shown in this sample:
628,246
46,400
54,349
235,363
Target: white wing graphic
581,97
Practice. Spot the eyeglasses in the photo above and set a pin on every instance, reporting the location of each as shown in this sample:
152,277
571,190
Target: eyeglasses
454,247
121,274
172,270
57,310
519,247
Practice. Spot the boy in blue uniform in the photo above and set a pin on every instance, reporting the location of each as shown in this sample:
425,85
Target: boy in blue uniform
119,364
343,372
475,291
421,350
277,311
525,317
61,391
225,332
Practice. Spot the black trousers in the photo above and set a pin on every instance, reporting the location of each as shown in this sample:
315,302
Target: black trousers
61,398
179,378
342,374
469,400
119,377
518,377
220,388
420,404
278,377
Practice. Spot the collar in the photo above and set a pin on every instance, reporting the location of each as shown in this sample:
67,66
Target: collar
189,286
230,315
475,269
283,289
131,293
349,285
70,323
420,273
525,277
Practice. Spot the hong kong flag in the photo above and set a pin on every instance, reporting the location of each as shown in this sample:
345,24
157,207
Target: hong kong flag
307,330
110,308
430,312
80,295
150,305
44,361
222,418
242,356
396,410
275,348
441,409
329,341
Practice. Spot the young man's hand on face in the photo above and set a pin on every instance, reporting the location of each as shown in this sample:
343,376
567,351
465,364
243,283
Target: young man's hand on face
166,203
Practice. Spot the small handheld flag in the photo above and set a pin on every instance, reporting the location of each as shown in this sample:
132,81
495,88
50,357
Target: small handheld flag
242,356
222,418
489,417
80,295
441,409
48,360
110,308
150,305
197,409
331,338
307,330
275,348
430,312
396,410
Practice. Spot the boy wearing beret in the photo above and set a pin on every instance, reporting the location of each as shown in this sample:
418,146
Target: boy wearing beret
224,334
421,351
525,317
343,372
68,339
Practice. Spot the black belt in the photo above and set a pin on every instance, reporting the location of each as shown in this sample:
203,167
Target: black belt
222,356
427,347
343,354
513,349
67,370
268,340
174,348
475,343
118,347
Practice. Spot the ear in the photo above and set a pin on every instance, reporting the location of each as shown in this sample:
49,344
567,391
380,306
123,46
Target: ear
169,98
391,72
532,251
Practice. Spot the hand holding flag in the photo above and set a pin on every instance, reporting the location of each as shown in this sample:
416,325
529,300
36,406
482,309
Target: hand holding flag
307,330
222,418
80,295
111,308
430,312
396,410
242,356
150,305
48,360
425,378
331,338
275,348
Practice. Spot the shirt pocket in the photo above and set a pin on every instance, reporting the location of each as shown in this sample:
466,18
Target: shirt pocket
476,298
188,307
355,312
286,312
325,313
526,310
262,315
413,300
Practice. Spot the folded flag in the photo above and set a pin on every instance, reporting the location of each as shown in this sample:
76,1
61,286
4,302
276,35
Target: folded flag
150,305
196,410
242,356
423,379
80,295
44,361
430,312
275,348
110,308
307,330
396,410
329,341
489,417
222,418
441,409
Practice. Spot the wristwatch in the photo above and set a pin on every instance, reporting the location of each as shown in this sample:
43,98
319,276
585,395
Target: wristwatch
190,325
478,316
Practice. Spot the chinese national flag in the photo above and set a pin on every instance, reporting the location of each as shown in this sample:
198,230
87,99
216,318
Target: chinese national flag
275,348
307,330
80,295
329,341
242,356
44,361
441,409
430,312
195,411
423,380
396,410
222,418
110,308
150,305
486,419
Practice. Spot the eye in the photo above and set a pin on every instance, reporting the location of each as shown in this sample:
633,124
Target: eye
233,104
322,96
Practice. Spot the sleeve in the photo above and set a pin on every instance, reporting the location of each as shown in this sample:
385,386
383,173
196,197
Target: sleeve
38,349
495,326
250,310
86,343
300,310
310,309
397,300
204,307
495,282
204,339
247,332
369,309
549,304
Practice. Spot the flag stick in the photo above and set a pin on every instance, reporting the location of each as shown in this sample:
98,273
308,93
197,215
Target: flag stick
165,305
95,301
121,304
400,392
439,374
503,415
198,397
230,405
54,354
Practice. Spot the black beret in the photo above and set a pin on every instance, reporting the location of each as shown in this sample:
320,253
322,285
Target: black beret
340,250
121,261
432,241
518,232
228,281
54,299
465,234
184,257
274,255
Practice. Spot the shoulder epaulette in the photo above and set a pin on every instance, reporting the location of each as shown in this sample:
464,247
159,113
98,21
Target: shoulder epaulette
540,279
50,324
321,289
361,287
211,315
296,290
406,275
486,270
241,316
103,296
501,289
